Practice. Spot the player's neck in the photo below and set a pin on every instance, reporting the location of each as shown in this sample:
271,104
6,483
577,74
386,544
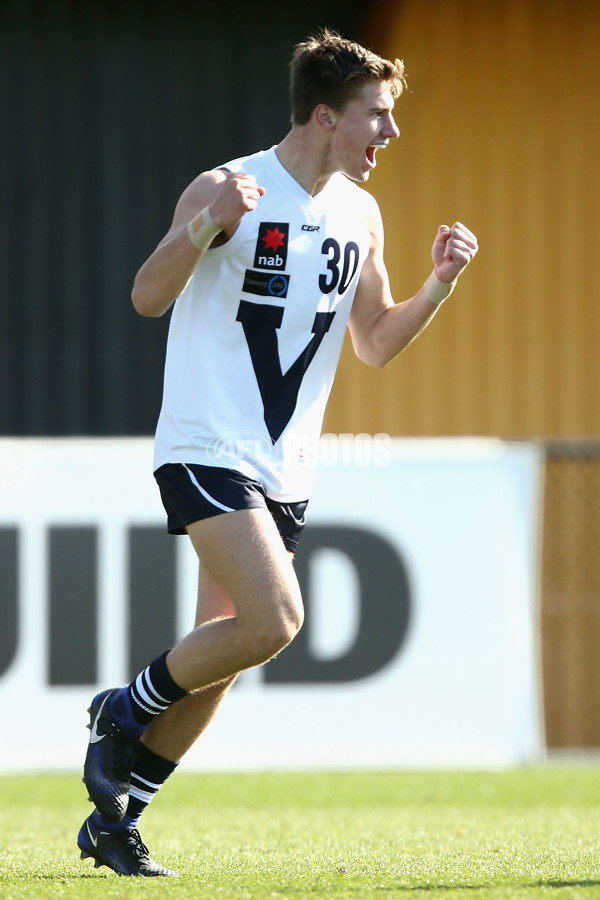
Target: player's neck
305,159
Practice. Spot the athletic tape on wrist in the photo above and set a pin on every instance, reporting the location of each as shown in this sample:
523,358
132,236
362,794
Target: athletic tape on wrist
203,237
437,290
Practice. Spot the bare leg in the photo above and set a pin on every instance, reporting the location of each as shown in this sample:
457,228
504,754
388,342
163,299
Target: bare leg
244,555
172,733
176,730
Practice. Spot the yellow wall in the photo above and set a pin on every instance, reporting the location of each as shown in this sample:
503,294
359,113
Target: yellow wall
501,130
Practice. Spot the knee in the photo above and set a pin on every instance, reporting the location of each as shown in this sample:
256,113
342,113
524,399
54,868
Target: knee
281,627
293,621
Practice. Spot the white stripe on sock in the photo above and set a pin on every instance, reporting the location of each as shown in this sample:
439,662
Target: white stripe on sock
137,700
150,784
145,796
150,687
145,696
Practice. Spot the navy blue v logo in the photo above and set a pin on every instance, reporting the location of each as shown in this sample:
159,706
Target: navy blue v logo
279,391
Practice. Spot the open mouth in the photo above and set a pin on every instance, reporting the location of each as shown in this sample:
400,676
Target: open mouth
371,153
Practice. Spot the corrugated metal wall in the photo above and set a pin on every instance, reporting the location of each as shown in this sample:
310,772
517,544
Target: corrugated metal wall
501,130
108,110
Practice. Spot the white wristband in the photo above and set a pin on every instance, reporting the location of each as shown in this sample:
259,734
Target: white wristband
204,235
437,290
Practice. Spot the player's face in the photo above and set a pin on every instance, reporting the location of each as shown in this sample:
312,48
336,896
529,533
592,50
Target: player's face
366,125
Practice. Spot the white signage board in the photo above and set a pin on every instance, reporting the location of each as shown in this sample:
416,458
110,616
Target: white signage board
421,577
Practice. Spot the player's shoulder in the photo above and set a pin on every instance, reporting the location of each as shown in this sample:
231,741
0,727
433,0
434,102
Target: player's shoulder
212,177
250,163
203,182
197,194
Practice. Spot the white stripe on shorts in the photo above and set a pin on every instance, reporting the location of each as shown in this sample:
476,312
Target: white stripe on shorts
205,494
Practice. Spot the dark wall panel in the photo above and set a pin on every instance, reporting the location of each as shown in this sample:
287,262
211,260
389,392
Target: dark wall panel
108,110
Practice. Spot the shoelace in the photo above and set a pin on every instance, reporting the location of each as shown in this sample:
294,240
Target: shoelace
139,847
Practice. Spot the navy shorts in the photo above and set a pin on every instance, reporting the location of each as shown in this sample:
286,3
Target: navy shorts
191,492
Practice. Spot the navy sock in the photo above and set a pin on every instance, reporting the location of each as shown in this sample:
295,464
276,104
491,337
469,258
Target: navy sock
149,774
150,693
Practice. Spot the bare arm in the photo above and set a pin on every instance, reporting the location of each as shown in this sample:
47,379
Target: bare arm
168,269
379,327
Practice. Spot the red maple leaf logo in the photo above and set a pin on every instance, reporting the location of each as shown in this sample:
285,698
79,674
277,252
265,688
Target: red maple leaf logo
274,239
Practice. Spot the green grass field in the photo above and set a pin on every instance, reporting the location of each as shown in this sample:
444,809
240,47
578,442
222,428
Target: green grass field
526,833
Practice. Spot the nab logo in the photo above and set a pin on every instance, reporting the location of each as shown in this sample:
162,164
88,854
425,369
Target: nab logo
272,245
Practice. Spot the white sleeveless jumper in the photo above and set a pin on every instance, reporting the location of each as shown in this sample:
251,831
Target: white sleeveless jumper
255,338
